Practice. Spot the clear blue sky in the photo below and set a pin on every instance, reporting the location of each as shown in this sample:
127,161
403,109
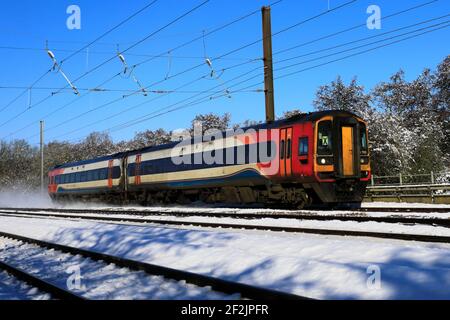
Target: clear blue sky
28,24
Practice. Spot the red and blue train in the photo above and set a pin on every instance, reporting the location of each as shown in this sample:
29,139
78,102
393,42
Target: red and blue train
318,158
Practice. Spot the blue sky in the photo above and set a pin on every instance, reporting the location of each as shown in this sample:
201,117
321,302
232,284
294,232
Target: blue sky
29,24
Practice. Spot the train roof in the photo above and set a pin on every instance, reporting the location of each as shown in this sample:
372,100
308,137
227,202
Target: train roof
302,117
88,161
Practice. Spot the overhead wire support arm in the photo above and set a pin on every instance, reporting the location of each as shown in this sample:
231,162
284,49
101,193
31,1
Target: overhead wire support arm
131,73
56,65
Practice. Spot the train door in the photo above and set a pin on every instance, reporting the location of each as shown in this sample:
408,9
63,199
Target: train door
286,152
347,151
110,173
137,173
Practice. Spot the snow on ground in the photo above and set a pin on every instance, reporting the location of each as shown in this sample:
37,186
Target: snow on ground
99,280
214,209
316,266
13,289
291,223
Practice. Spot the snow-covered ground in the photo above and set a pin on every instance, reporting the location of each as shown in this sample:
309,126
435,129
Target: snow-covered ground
285,222
98,279
311,265
14,289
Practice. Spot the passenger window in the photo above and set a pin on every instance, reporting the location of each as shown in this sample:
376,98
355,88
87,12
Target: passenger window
303,146
288,152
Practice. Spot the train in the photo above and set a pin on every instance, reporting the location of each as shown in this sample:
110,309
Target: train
310,159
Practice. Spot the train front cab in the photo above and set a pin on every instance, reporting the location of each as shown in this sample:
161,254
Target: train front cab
341,160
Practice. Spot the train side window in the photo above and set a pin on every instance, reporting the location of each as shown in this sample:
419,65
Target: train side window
288,151
116,173
303,146
363,138
282,149
104,173
72,178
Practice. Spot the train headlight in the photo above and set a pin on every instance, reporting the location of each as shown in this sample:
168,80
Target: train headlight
325,160
364,160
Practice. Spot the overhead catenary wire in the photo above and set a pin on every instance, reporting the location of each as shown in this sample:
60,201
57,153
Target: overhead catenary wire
25,91
301,22
364,24
110,30
65,59
114,57
385,17
202,100
139,104
214,30
354,48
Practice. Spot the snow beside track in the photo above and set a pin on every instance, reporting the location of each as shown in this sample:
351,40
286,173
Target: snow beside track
99,280
311,265
285,222
14,289
206,209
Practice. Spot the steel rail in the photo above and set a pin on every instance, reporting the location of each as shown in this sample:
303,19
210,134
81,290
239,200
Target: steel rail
307,215
36,282
335,232
216,284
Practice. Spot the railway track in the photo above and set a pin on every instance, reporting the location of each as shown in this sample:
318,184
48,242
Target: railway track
299,215
218,285
320,231
42,285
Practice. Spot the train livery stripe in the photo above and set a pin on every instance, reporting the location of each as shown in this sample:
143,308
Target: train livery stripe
220,172
87,185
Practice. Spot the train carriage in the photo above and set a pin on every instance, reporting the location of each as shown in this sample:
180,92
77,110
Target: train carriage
314,158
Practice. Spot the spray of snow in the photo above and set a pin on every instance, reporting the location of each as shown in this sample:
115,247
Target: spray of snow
28,199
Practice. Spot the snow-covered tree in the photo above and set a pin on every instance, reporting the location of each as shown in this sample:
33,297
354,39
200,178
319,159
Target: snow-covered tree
211,121
291,113
339,96
96,144
149,138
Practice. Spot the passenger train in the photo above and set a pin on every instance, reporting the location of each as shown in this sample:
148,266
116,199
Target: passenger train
318,158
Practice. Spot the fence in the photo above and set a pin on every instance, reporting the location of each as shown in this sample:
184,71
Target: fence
427,188
411,179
